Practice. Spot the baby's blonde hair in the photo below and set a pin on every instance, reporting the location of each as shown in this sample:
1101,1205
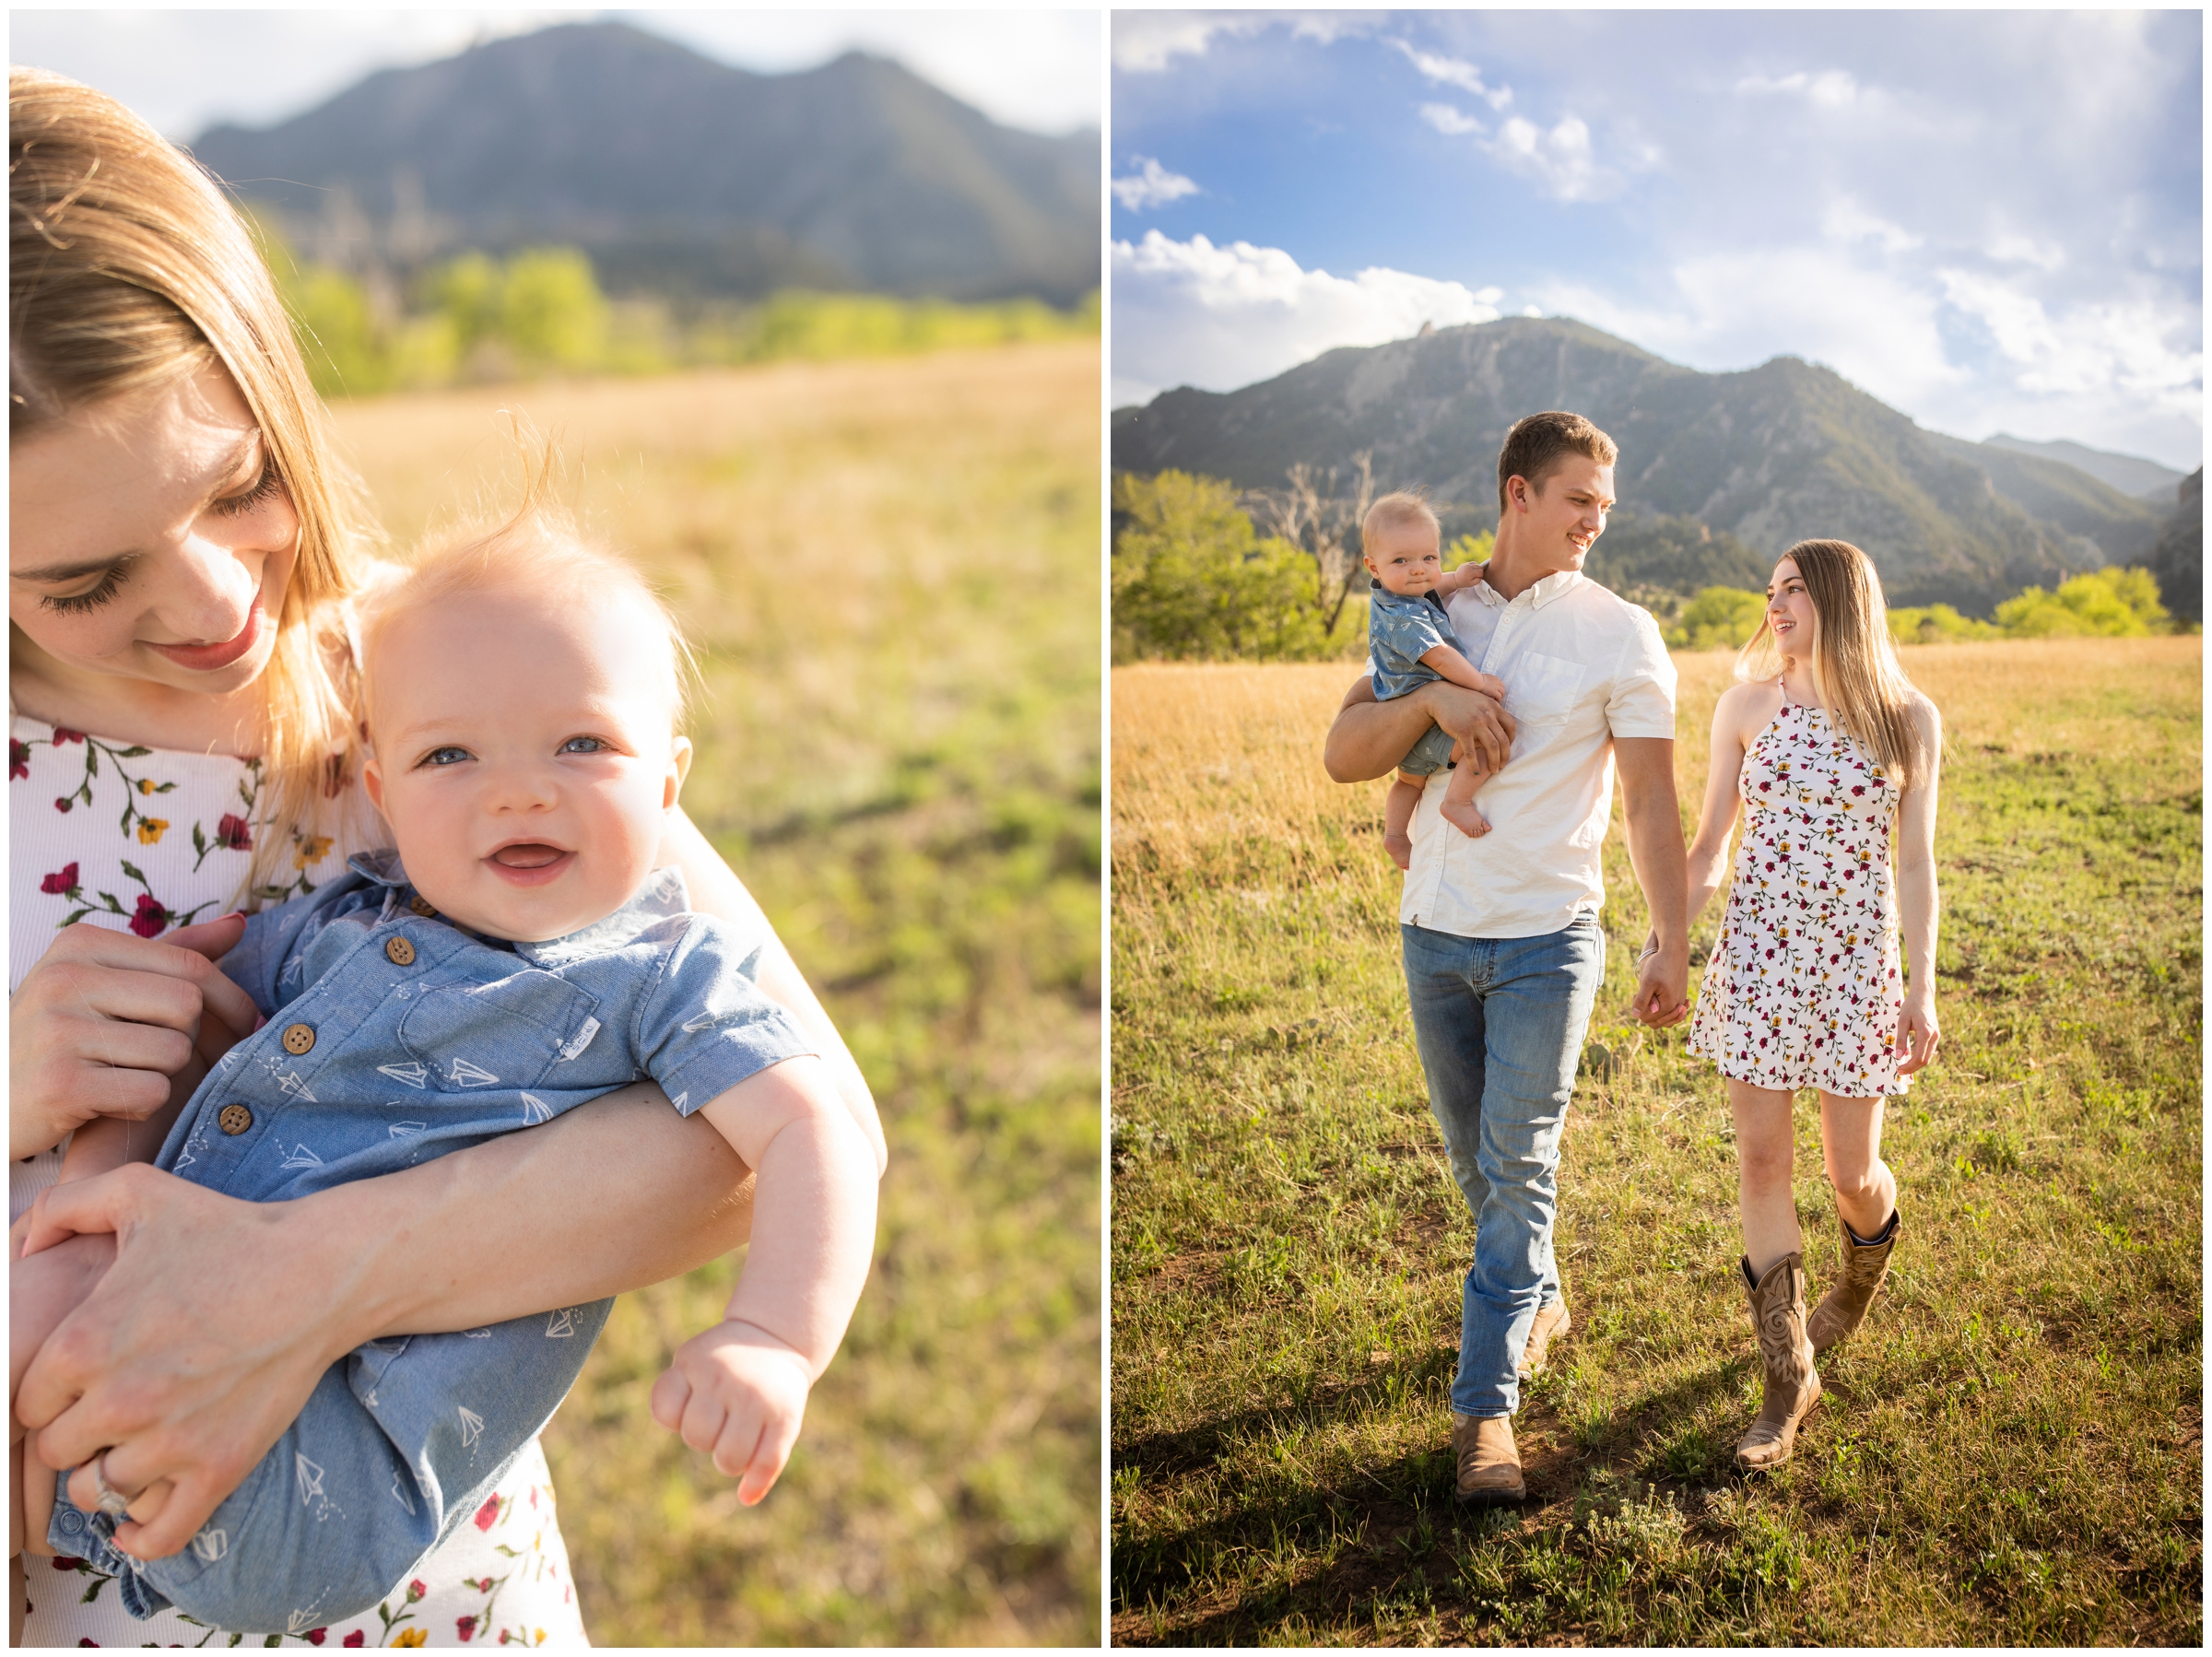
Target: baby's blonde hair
1400,506
538,551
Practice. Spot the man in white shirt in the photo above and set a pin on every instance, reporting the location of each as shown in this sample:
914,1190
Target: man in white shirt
1503,947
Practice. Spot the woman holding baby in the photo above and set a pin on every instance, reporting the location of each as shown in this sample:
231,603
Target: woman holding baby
188,576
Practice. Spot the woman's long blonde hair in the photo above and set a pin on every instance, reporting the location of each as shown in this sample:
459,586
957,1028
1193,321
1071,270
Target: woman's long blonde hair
129,269
1854,661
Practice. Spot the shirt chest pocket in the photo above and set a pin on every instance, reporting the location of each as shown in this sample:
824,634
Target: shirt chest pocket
1542,690
507,1033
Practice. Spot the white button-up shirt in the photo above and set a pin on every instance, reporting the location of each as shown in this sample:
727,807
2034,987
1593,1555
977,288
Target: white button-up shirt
1581,666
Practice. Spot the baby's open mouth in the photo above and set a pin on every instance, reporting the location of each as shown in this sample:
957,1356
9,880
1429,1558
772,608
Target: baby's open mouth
531,854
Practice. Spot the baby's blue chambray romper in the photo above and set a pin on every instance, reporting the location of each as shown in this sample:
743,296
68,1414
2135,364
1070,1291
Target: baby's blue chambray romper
1402,627
395,1036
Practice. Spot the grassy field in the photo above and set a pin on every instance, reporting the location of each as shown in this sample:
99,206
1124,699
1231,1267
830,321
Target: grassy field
2010,1450
892,571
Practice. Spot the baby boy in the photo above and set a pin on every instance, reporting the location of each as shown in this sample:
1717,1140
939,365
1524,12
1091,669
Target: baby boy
1410,643
515,954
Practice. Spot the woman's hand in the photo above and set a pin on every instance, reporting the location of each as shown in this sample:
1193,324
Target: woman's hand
106,1019
192,1354
1917,1032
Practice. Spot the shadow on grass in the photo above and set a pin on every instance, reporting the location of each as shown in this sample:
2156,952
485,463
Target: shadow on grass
1399,1521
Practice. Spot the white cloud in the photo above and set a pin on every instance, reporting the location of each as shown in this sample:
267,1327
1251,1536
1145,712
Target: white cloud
1152,186
2026,249
1145,42
2117,346
1190,314
1447,119
1829,90
1846,221
1453,72
1562,160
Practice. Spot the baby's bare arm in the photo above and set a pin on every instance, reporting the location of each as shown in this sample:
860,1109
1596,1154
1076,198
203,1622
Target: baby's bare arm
1445,660
739,1390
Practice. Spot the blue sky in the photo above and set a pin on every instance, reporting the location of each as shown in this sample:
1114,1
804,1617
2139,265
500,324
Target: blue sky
186,70
1991,220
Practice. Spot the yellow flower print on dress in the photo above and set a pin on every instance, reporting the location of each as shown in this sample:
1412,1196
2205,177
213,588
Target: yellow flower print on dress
407,1637
151,829
146,785
309,849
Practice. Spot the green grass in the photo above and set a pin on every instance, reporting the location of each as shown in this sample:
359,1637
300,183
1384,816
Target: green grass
2008,1451
890,570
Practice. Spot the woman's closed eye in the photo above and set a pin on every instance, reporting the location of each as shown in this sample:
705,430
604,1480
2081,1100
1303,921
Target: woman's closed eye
266,486
101,591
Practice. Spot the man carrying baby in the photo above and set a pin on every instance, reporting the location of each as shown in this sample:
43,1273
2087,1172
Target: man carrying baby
515,954
1504,951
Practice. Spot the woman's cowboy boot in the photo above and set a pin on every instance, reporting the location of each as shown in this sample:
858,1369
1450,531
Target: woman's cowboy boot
1793,1384
1843,1308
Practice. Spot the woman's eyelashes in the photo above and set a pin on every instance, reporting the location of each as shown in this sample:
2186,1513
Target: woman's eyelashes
79,604
266,486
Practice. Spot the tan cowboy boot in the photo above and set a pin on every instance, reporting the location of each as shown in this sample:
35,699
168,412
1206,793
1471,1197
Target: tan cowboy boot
1793,1384
1843,1308
1489,1467
1552,1322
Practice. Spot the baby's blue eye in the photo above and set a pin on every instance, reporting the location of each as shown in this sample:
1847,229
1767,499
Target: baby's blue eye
445,756
584,745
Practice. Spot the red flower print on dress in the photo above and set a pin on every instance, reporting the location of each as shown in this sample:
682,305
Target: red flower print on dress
19,759
60,883
416,1590
355,1638
152,920
465,1627
64,734
316,1636
489,1515
234,833
62,802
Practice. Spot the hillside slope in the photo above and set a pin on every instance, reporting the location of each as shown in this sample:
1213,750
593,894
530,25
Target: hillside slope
671,169
1772,454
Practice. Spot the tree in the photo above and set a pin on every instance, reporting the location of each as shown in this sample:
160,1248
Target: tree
1193,580
2109,603
551,310
1325,529
1718,618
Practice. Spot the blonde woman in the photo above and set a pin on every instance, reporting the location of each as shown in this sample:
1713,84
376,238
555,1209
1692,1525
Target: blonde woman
186,559
1829,749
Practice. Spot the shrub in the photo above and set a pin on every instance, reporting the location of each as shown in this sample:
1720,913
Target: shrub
1193,580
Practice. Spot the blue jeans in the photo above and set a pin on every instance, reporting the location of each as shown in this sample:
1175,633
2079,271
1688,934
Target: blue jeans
1500,1023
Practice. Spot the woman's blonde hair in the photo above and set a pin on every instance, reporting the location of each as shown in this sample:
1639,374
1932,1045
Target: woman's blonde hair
128,269
1854,661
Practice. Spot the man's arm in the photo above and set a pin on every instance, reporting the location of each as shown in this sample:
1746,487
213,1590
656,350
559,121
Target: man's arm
1369,737
1647,787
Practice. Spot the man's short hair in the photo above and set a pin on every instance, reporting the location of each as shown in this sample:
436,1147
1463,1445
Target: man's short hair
1400,506
1538,442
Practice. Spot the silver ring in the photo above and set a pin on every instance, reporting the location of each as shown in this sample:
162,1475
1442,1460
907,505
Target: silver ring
113,1502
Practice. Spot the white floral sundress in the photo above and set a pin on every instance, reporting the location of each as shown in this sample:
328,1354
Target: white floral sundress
1802,989
116,834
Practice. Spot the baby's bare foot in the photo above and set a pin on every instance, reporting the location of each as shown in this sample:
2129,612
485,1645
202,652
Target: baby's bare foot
1400,847
1466,819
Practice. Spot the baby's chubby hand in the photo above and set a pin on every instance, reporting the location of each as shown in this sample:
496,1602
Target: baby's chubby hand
739,1392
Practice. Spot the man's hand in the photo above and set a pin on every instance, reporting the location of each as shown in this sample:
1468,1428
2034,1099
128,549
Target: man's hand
1662,986
1476,718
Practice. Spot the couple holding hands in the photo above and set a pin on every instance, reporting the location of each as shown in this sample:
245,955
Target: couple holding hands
1543,684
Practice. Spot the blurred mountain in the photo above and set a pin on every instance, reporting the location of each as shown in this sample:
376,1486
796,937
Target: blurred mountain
678,175
1769,455
2177,559
2130,474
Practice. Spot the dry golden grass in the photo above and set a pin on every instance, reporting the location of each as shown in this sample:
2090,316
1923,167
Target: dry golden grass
890,571
2009,1452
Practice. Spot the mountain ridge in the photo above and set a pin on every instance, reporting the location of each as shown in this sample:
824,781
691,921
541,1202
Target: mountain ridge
1770,454
653,156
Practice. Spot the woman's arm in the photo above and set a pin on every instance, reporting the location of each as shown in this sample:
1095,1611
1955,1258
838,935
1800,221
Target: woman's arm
1369,737
1917,901
1709,852
204,1339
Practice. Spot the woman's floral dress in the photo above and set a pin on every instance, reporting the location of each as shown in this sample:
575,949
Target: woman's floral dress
111,834
1802,989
